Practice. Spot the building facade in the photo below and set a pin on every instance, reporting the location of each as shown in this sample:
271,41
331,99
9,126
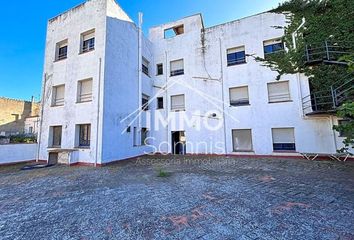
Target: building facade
110,93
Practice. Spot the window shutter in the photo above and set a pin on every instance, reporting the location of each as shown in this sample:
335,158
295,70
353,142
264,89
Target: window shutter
177,102
283,135
59,95
235,50
242,140
88,36
177,65
278,91
85,90
239,95
271,42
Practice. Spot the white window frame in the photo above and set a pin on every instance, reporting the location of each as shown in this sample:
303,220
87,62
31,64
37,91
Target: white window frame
284,142
58,46
239,101
233,133
176,71
88,96
279,97
57,102
87,36
178,107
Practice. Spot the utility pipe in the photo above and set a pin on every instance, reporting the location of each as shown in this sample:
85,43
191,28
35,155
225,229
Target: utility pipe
140,55
98,109
298,28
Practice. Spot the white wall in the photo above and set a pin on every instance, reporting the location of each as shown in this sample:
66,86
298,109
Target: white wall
13,153
209,61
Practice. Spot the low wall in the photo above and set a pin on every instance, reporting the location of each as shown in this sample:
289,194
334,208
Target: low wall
13,153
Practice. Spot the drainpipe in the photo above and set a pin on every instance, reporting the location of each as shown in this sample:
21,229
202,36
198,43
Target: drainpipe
98,109
294,33
41,118
301,110
222,95
166,107
140,55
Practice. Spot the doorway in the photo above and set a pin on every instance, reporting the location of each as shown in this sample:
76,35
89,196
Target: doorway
178,143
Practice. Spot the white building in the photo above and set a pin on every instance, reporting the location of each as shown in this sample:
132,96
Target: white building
99,73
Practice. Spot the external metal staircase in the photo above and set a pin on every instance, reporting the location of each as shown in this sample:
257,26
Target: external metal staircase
327,52
328,101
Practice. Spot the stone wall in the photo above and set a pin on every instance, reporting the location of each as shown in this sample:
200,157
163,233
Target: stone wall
13,114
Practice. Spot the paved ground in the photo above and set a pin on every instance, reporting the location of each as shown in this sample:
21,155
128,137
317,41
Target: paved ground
217,198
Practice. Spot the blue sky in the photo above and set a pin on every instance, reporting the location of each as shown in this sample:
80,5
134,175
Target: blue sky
22,39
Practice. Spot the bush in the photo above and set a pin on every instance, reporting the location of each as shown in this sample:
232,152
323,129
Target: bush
23,139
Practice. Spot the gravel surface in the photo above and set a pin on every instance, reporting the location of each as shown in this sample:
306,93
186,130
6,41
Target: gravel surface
200,198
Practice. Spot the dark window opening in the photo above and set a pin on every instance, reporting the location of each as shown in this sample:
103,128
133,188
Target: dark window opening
159,69
144,135
145,102
88,45
172,32
284,147
84,135
62,53
145,67
160,103
56,136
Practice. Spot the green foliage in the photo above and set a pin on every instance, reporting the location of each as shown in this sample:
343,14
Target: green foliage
22,139
326,20
346,111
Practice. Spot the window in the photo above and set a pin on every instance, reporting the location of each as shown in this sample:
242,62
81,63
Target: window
159,69
145,102
172,32
177,67
160,103
30,130
56,136
61,51
84,93
278,92
58,95
145,66
236,56
283,139
144,135
84,135
272,46
177,103
88,41
239,96
242,140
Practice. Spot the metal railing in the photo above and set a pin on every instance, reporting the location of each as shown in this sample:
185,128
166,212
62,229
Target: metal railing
327,101
328,51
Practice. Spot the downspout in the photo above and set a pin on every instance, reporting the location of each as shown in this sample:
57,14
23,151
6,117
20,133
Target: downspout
167,109
98,109
140,55
301,110
41,118
223,96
